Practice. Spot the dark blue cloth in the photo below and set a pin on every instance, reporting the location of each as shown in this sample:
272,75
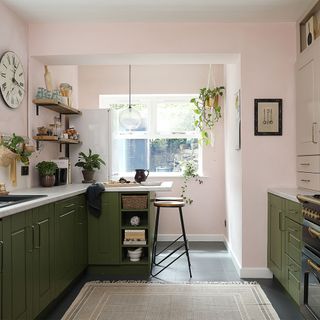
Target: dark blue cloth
94,198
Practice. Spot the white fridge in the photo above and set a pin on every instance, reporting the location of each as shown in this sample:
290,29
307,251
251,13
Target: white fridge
93,126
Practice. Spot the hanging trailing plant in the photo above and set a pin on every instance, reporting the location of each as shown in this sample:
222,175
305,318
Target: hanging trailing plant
207,111
190,172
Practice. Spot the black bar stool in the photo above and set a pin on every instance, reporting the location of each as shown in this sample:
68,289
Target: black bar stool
169,204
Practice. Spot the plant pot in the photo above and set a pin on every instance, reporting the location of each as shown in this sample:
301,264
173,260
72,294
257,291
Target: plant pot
88,176
47,181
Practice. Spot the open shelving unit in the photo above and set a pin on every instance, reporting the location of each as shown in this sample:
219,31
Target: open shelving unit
142,210
62,109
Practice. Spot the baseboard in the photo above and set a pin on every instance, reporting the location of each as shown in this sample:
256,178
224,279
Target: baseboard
193,237
235,260
252,273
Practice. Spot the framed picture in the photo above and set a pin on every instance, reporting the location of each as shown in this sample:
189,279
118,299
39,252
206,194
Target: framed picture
237,106
267,117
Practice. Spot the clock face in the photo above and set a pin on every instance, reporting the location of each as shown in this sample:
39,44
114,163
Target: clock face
12,85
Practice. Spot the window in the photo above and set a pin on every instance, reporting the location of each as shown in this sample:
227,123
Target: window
165,138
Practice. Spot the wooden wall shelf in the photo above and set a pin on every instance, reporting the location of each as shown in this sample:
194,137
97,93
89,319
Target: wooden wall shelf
55,106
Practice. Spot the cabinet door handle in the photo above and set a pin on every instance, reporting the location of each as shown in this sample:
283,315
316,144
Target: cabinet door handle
313,233
292,230
69,205
314,132
305,180
280,221
1,256
313,265
305,164
37,246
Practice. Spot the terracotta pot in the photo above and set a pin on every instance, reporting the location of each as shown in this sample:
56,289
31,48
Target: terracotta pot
47,181
88,176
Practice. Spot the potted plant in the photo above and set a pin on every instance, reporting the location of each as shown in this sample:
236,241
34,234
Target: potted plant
47,170
189,172
207,111
14,148
89,163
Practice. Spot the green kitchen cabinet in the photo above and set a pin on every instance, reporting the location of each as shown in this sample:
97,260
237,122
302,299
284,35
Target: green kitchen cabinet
17,266
276,236
81,236
64,260
104,232
43,257
285,242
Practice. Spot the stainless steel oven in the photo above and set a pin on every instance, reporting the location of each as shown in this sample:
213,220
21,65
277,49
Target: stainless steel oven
310,267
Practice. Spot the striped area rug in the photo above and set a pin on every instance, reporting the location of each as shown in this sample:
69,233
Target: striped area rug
158,301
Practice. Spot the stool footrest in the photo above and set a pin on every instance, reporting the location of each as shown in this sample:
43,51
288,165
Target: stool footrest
171,243
170,254
169,264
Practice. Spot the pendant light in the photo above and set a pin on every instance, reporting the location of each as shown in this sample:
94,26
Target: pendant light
130,118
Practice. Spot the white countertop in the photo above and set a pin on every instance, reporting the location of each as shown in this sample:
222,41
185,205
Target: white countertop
291,193
61,192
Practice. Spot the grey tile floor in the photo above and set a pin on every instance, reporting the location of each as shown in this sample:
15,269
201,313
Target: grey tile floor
210,262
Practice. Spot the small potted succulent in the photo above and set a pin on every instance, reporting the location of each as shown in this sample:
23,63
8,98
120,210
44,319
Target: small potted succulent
89,163
47,171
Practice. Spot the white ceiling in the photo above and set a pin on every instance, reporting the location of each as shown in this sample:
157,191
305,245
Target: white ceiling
52,11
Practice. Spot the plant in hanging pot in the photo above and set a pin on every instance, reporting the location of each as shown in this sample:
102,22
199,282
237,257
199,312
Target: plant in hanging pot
207,111
89,163
47,171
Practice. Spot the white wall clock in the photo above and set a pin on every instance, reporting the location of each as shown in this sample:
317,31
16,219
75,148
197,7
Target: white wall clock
12,84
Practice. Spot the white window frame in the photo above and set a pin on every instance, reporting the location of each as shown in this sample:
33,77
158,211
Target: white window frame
151,100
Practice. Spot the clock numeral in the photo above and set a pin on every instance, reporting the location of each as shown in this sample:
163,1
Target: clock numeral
7,95
4,86
20,74
20,93
3,74
14,61
12,100
21,84
8,58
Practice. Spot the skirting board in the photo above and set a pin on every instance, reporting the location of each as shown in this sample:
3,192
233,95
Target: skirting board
248,273
244,273
193,237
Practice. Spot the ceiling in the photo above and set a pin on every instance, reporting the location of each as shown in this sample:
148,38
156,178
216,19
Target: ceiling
53,11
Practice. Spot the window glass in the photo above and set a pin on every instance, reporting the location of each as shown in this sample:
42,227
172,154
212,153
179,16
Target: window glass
164,139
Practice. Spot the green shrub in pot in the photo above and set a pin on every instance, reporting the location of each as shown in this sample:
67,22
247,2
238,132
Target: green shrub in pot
89,163
47,170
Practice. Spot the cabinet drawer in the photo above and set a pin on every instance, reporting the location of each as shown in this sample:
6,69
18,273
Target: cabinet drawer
294,211
308,180
293,240
308,164
293,272
66,205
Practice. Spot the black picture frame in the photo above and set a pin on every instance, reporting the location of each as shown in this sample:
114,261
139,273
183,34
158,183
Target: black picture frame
268,117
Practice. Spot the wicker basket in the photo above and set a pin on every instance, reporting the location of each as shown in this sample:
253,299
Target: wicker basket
134,201
6,156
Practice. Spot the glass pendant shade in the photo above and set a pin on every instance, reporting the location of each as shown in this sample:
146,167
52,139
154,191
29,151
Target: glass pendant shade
130,118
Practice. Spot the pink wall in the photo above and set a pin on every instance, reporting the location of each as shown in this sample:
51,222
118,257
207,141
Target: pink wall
267,70
14,37
206,215
233,158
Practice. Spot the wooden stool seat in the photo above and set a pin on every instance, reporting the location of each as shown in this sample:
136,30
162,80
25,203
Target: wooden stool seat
169,199
169,204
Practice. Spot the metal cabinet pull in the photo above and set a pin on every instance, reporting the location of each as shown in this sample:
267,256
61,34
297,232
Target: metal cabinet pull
280,221
304,164
314,132
313,233
292,230
305,180
1,256
69,205
313,265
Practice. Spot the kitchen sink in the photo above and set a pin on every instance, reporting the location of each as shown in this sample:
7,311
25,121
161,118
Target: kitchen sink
10,200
